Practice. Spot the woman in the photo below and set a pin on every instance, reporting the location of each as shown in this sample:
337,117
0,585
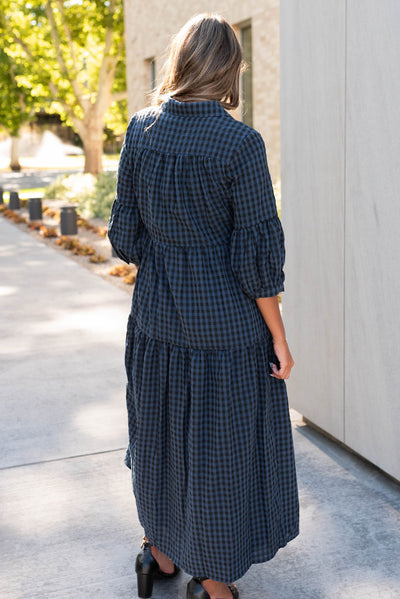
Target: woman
210,441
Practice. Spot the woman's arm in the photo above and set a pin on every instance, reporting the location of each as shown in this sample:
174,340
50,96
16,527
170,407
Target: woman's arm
269,308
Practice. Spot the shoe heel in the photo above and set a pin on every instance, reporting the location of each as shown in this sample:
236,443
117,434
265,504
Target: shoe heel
145,585
195,589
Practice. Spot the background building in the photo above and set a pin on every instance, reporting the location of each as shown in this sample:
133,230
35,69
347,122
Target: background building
150,25
340,121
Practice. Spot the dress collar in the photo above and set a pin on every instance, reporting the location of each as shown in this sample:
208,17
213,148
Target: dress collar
200,108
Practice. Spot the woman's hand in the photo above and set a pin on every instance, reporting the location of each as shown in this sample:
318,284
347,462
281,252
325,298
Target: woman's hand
286,361
269,308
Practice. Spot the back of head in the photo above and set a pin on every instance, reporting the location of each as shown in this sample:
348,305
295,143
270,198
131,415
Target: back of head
204,63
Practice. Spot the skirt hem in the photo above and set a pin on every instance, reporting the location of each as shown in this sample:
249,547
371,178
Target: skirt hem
258,558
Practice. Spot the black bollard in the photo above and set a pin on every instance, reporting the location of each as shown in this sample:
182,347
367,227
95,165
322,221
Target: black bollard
68,221
14,201
35,208
1,195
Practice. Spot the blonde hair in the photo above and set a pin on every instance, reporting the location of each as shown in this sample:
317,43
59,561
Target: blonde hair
204,63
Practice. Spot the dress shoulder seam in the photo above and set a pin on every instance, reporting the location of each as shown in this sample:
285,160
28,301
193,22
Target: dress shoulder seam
236,149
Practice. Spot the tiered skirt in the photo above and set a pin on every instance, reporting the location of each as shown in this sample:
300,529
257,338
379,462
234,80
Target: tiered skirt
211,453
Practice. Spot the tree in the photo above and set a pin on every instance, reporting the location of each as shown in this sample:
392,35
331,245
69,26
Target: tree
73,53
15,105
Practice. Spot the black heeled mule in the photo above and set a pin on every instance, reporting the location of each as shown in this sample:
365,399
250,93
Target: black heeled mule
195,589
147,569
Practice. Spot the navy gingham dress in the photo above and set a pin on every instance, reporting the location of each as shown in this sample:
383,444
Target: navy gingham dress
210,440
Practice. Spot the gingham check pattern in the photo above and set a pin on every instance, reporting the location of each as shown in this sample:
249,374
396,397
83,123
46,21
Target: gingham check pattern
210,441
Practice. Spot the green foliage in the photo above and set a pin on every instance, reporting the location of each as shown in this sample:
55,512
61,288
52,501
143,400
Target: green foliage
69,188
116,118
92,195
104,194
16,103
69,58
98,202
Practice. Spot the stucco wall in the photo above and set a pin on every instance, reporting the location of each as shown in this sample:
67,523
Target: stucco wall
340,210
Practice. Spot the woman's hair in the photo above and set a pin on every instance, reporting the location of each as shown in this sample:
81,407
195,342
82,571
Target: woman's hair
204,63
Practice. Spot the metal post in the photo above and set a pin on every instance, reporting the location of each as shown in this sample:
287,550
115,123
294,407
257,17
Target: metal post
1,195
35,208
68,221
14,201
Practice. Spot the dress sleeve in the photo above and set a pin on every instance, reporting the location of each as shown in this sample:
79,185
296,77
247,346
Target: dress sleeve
125,228
257,244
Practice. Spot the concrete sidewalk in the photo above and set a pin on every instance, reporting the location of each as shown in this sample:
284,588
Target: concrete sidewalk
68,524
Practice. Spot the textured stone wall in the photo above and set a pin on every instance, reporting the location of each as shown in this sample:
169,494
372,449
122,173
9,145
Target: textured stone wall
150,25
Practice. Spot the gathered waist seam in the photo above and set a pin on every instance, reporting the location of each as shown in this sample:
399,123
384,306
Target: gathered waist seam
261,341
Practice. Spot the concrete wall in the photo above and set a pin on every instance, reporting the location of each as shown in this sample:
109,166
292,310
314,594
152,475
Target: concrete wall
150,25
340,123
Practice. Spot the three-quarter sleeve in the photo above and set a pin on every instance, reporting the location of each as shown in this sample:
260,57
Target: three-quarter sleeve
125,227
257,244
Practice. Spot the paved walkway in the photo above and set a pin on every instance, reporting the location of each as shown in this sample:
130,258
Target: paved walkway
68,525
30,178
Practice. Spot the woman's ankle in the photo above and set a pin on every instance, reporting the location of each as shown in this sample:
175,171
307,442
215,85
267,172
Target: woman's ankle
165,563
216,589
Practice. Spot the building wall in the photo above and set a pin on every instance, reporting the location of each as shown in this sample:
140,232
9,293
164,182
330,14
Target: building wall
341,215
148,30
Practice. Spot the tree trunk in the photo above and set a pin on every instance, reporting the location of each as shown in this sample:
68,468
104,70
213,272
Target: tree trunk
14,157
93,146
